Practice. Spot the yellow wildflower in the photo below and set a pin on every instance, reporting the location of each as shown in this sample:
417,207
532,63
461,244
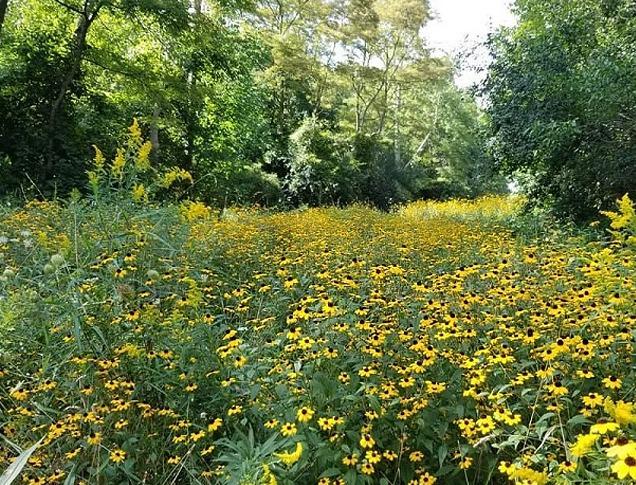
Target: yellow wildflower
291,458
584,444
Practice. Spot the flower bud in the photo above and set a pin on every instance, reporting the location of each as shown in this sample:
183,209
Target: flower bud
152,274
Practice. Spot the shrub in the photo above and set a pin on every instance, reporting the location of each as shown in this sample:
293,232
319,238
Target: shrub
322,169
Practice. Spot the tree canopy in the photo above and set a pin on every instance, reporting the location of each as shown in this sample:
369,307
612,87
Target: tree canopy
562,102
287,101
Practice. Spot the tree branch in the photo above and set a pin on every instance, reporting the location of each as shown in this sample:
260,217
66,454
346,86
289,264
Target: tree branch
69,7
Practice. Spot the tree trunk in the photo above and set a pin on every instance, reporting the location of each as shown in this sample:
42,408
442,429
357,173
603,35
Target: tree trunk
396,140
190,127
3,11
191,117
74,62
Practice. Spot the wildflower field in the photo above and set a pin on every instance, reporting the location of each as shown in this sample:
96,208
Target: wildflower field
434,344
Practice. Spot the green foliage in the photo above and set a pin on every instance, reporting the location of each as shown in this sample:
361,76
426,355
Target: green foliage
454,144
130,175
186,76
31,59
322,169
562,99
13,472
229,183
303,102
384,180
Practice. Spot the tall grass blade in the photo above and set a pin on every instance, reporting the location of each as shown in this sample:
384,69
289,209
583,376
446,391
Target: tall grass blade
18,464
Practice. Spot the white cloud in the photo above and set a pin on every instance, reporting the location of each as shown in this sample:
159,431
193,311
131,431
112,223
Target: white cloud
461,25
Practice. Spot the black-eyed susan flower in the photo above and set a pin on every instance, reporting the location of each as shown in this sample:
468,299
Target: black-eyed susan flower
304,414
367,441
271,423
625,467
94,439
390,455
289,458
612,382
593,400
288,429
416,456
373,456
567,466
234,410
117,455
367,468
214,425
350,460
604,426
584,444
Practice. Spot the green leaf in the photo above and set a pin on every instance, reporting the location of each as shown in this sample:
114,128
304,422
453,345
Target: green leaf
351,477
330,472
442,452
545,417
70,479
576,420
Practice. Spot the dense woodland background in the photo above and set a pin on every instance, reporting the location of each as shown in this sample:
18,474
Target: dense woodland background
289,102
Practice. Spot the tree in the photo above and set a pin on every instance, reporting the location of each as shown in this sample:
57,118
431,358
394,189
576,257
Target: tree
31,61
384,52
561,100
3,10
298,36
187,76
321,168
329,98
62,34
87,11
450,141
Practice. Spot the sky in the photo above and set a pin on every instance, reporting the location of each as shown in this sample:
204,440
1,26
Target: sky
459,25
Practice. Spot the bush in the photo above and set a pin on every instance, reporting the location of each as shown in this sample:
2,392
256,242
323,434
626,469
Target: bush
321,169
236,183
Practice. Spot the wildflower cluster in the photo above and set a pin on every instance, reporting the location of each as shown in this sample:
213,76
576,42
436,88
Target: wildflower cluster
323,346
623,222
130,173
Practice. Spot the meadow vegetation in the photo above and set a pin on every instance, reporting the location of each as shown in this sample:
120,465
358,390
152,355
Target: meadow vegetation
302,264
439,343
